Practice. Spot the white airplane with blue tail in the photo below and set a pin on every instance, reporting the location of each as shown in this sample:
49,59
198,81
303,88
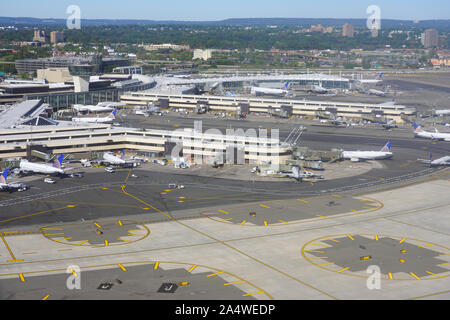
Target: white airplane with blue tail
10,186
357,156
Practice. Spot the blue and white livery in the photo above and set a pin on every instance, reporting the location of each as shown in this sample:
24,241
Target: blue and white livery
357,156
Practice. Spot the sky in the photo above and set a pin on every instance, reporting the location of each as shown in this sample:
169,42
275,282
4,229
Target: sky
209,10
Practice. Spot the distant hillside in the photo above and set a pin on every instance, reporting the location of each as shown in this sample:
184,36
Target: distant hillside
441,24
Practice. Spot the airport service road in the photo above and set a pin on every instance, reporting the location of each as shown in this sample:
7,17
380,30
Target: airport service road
335,136
230,239
97,194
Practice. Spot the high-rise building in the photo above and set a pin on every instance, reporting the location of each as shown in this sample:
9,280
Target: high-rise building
39,36
430,38
56,37
348,30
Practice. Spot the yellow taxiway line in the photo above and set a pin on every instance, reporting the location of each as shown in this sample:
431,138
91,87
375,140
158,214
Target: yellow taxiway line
9,249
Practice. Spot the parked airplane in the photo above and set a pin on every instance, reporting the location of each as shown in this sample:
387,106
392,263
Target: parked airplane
270,91
444,161
357,156
26,166
420,133
442,113
114,160
91,109
372,81
111,159
378,93
107,119
4,185
318,89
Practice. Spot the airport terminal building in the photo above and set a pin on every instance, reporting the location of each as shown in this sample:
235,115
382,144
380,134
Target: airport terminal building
232,148
265,105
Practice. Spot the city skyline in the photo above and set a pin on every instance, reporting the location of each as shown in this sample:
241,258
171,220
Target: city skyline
212,11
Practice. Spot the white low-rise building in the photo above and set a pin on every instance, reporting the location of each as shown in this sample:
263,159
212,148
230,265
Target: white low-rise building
237,147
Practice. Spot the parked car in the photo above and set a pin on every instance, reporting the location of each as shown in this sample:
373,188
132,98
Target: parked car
110,169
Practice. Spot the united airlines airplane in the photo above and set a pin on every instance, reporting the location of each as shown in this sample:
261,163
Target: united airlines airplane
4,185
270,91
357,156
420,133
107,119
110,159
92,109
26,166
114,160
444,161
372,81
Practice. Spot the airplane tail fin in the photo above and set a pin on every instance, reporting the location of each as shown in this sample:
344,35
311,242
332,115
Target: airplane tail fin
417,128
286,86
380,77
387,147
123,154
58,162
4,176
113,114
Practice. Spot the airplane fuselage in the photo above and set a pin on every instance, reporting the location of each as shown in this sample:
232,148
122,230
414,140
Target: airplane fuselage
445,161
92,120
433,135
39,168
112,159
367,155
268,91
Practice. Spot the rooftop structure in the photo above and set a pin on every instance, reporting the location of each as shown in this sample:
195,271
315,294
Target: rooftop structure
88,65
54,75
21,112
102,138
327,81
265,105
128,70
92,90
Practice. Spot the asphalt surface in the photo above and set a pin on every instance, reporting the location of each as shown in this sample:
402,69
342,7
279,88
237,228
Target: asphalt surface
141,282
99,194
